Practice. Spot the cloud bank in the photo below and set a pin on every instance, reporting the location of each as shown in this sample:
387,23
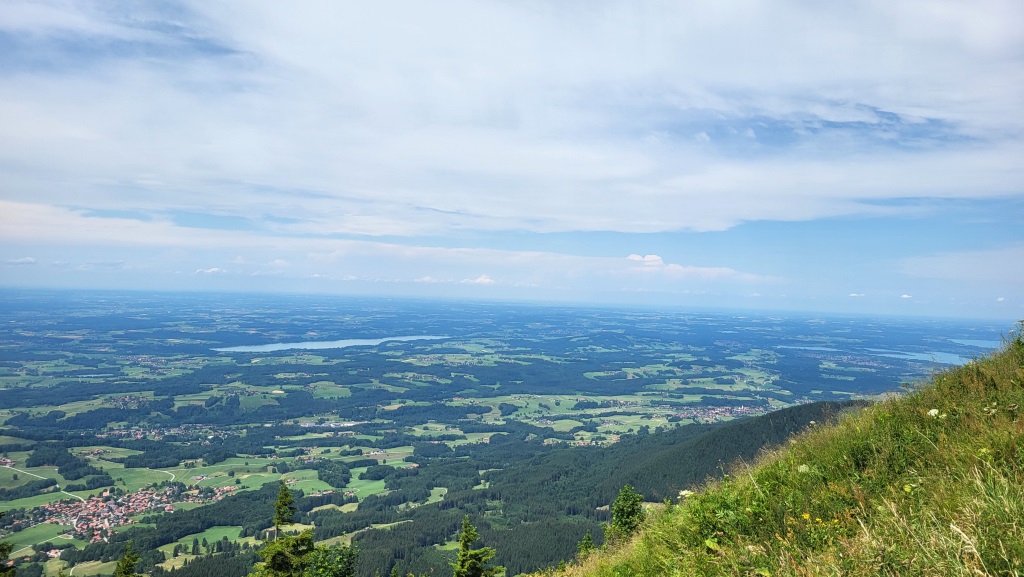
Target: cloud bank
414,142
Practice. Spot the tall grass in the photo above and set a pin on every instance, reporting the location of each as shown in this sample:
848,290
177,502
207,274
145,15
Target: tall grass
928,484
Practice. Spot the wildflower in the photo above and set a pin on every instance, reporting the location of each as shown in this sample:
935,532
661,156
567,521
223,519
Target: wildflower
806,516
934,413
803,469
685,493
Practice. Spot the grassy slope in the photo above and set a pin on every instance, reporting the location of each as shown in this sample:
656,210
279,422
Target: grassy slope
931,483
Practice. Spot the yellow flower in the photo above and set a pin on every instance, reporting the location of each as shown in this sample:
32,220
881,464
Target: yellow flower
806,516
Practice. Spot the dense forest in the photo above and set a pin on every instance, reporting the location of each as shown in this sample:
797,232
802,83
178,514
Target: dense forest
537,501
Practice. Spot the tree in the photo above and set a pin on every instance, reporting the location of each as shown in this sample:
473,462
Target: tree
126,564
627,513
471,562
285,556
331,562
5,550
284,509
300,556
585,547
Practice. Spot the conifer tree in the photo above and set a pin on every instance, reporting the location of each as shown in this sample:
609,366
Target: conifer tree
299,555
126,564
472,562
284,509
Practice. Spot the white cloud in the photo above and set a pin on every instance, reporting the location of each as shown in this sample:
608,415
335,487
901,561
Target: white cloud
20,261
387,125
647,260
482,279
366,142
300,257
906,296
654,264
856,295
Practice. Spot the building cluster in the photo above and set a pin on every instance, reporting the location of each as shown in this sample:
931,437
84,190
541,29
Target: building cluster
94,519
158,433
718,413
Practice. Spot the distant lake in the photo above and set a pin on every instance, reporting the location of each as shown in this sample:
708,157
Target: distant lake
978,343
932,356
313,345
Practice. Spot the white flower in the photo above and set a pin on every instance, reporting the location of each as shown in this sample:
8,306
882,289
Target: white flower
803,469
686,493
934,413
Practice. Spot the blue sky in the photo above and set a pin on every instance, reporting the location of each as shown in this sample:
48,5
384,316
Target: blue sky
861,158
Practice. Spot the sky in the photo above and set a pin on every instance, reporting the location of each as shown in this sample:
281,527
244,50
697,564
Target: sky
861,157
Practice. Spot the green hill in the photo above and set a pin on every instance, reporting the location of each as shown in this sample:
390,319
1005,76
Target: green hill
930,483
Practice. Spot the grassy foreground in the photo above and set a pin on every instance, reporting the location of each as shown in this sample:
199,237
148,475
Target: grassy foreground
931,483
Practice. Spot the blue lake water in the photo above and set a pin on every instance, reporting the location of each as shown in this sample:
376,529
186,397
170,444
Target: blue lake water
314,345
978,343
931,356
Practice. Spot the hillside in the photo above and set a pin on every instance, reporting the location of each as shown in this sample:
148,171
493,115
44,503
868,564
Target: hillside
930,483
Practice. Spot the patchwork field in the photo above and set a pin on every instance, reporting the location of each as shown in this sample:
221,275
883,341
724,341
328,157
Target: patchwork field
135,400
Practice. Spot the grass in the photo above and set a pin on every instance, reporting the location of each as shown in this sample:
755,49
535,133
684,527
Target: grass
37,534
94,568
930,483
363,488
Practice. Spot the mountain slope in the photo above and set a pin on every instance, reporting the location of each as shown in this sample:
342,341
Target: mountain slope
931,483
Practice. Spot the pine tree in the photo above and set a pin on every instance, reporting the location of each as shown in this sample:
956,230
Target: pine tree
471,562
299,555
284,509
126,564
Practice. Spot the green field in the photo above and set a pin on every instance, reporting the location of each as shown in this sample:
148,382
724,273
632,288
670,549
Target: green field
39,534
162,396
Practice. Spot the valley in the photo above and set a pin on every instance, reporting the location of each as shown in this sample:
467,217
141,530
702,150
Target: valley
170,419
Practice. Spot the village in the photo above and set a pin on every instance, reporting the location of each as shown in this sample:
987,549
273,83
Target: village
94,519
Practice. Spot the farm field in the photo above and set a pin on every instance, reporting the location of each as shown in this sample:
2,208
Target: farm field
162,408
